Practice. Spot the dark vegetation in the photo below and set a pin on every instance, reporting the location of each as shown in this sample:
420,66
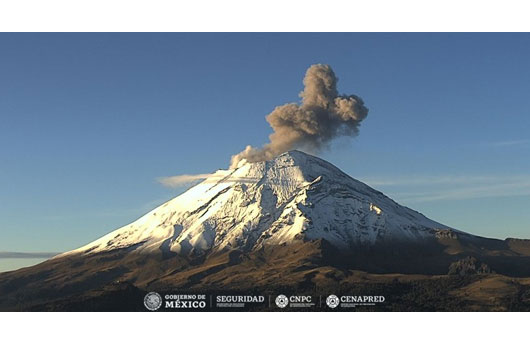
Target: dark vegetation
452,273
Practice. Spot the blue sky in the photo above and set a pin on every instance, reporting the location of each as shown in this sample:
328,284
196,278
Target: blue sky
88,122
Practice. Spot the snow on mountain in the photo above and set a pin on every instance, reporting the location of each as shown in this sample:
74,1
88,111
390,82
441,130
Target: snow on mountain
291,198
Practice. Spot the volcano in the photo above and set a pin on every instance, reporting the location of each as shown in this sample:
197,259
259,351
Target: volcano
293,198
295,222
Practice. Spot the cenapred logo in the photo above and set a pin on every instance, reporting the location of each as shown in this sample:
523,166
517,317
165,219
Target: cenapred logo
332,301
281,301
153,301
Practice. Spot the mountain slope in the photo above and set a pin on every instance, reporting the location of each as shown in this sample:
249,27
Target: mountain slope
293,222
291,198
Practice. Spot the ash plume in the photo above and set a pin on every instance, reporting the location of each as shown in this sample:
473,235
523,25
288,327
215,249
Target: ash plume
311,125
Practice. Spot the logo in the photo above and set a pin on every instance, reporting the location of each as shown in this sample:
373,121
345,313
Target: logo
239,301
152,301
352,301
281,301
185,301
332,301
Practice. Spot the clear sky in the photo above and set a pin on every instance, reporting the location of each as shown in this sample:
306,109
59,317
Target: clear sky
88,122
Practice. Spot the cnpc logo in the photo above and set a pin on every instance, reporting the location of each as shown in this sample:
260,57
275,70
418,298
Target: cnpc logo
282,300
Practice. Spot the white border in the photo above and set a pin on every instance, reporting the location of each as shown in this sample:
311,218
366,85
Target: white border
270,15
277,332
264,332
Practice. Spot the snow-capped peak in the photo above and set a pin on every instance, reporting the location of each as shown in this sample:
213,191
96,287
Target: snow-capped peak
293,197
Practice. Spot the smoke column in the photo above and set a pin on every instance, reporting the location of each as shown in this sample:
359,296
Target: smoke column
322,116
